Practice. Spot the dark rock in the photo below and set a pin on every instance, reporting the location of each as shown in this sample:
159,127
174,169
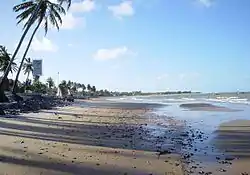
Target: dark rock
244,173
222,170
229,158
164,152
2,111
184,135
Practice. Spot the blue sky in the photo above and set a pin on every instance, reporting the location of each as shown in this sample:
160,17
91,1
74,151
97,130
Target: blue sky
153,45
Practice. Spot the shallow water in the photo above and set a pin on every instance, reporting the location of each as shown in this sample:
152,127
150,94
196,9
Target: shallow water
204,150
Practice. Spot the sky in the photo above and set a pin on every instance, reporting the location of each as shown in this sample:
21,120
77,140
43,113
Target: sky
148,45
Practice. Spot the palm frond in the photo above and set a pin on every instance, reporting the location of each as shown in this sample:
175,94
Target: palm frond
59,8
46,25
68,2
25,15
57,15
5,58
48,13
54,21
22,6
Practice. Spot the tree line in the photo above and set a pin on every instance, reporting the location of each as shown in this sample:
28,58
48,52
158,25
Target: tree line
38,13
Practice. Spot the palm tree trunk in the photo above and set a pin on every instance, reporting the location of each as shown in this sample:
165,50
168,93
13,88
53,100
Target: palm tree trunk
24,56
6,73
26,81
27,77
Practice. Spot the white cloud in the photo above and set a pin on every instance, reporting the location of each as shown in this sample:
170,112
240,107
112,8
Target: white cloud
206,3
114,53
44,44
71,22
82,6
70,45
123,9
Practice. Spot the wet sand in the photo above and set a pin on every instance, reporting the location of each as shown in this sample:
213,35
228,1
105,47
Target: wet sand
225,151
206,107
89,140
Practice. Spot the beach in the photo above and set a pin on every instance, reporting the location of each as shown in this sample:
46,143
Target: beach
114,136
76,140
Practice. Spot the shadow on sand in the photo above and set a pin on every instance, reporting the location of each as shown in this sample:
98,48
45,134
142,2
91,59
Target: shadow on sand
118,135
234,142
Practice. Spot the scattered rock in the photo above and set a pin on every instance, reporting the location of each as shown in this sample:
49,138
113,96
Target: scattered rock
229,158
244,173
201,172
222,170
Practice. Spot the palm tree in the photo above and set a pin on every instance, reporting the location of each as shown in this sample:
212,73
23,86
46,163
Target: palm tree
48,13
93,89
83,87
69,84
89,87
50,82
5,58
74,87
36,78
29,24
63,87
27,68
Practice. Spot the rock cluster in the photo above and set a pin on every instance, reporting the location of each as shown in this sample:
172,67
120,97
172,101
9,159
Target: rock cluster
31,103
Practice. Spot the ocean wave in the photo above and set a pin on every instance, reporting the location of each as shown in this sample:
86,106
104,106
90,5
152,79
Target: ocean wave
220,99
229,100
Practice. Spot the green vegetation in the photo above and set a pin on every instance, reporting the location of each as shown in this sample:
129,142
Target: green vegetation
49,13
5,58
35,12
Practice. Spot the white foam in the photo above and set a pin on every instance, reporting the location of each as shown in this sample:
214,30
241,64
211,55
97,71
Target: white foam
229,100
220,99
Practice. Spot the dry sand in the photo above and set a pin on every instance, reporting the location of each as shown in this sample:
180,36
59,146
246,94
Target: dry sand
74,140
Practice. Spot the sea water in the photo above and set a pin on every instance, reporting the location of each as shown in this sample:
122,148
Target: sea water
205,121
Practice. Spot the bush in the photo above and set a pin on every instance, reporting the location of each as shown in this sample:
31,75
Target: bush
38,87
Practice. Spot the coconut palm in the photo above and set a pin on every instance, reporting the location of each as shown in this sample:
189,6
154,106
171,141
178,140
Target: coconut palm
74,87
36,78
83,87
88,87
50,82
69,84
27,68
49,13
5,58
32,17
93,89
